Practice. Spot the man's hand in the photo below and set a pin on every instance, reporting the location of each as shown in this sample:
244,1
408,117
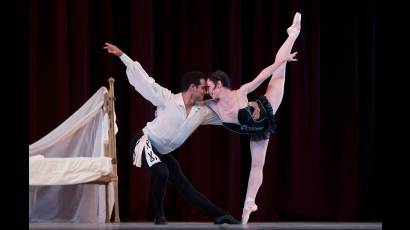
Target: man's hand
112,49
256,111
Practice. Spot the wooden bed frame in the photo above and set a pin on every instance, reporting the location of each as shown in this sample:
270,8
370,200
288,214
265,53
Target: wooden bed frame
110,151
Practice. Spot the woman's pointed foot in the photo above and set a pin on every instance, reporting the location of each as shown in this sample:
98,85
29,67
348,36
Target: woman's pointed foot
248,208
294,29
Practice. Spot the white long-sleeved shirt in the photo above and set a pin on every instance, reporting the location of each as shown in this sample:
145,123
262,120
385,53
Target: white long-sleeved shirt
171,126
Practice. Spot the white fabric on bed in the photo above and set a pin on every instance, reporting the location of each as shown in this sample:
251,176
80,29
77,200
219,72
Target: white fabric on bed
65,171
83,134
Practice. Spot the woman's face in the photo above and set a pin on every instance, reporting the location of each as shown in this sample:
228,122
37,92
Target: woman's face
213,90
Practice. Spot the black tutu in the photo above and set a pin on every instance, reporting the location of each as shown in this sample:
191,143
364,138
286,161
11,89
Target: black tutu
259,129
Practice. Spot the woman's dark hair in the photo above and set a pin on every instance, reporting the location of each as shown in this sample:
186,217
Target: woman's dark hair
219,75
192,77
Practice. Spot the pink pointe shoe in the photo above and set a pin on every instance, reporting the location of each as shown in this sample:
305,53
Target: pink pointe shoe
248,208
294,29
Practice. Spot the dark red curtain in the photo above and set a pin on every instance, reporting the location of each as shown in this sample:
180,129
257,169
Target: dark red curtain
323,164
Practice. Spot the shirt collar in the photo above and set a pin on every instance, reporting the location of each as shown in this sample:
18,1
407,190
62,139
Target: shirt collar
180,102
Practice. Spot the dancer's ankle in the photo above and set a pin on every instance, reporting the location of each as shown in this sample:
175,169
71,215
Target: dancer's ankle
249,199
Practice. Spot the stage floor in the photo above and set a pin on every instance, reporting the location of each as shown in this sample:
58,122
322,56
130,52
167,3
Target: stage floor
208,225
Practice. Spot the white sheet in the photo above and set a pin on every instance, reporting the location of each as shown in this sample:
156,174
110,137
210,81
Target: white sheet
66,171
83,134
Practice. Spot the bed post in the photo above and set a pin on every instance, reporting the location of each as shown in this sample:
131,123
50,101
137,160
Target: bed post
112,149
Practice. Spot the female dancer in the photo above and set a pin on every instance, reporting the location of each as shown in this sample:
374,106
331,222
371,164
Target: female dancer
255,118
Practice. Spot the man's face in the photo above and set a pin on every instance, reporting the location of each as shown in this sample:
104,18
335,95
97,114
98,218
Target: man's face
199,92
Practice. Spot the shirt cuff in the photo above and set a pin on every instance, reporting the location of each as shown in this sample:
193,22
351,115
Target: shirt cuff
126,60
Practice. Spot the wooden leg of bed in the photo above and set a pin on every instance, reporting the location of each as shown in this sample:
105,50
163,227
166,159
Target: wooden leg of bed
107,207
116,204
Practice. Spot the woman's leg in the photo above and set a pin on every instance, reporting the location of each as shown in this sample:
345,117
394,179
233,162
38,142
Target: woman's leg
258,152
276,86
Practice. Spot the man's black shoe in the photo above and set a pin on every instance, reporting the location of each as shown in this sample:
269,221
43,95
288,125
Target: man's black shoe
228,219
161,220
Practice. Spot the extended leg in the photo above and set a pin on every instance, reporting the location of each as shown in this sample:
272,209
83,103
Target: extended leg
276,85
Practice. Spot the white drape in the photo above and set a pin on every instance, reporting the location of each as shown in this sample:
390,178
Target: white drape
83,134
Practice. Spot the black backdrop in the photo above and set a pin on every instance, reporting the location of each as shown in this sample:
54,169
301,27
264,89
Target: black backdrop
324,163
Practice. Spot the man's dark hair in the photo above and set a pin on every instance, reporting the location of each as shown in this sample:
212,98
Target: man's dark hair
220,75
192,77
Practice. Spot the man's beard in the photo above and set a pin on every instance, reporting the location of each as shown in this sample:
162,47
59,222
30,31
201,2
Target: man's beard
198,100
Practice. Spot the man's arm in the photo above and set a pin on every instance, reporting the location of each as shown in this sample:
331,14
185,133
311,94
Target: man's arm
138,78
211,117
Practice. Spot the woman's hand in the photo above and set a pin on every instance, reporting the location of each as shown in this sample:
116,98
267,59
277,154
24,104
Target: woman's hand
291,57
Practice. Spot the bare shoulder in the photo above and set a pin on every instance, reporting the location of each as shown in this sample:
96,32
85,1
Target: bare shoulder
239,95
241,92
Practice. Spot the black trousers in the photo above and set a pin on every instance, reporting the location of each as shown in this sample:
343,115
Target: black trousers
169,170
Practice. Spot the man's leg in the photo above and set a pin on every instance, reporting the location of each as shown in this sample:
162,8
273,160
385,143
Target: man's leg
181,183
159,173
